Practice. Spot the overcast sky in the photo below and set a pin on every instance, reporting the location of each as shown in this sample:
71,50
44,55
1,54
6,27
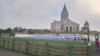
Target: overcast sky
38,14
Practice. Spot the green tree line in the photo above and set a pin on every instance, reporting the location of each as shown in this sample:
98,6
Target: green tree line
12,31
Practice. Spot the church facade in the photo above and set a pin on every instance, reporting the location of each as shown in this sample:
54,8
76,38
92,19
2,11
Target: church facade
65,24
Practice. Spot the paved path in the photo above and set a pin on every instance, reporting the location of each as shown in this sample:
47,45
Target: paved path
4,52
95,52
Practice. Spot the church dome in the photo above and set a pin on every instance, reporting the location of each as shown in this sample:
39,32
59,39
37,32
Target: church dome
86,24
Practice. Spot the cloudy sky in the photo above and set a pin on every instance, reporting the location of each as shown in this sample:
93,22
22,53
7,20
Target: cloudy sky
38,14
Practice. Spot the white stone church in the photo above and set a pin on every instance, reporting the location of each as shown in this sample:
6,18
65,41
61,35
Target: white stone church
65,24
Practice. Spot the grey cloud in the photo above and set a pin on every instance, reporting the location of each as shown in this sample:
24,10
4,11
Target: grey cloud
40,13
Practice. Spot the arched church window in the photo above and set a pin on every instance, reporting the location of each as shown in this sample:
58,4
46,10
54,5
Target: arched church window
70,29
77,28
61,27
66,29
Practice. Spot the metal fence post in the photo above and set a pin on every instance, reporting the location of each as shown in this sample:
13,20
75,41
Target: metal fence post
3,42
89,49
13,44
8,44
71,50
19,47
27,44
46,49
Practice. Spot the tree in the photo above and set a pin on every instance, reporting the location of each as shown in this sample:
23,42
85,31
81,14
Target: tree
30,31
19,29
15,29
1,31
8,31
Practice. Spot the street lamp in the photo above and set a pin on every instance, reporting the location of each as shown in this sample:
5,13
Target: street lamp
88,32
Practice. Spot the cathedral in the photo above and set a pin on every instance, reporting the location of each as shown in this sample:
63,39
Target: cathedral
65,24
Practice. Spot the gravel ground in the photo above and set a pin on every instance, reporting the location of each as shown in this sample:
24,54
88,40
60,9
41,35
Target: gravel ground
4,52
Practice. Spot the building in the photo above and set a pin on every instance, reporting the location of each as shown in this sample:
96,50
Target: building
65,24
85,28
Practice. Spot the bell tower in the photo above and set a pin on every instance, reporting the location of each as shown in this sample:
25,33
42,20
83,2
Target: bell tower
64,14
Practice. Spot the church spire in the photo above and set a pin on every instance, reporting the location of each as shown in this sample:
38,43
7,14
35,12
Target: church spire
64,14
64,9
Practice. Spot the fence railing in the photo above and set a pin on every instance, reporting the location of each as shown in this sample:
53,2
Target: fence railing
45,49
